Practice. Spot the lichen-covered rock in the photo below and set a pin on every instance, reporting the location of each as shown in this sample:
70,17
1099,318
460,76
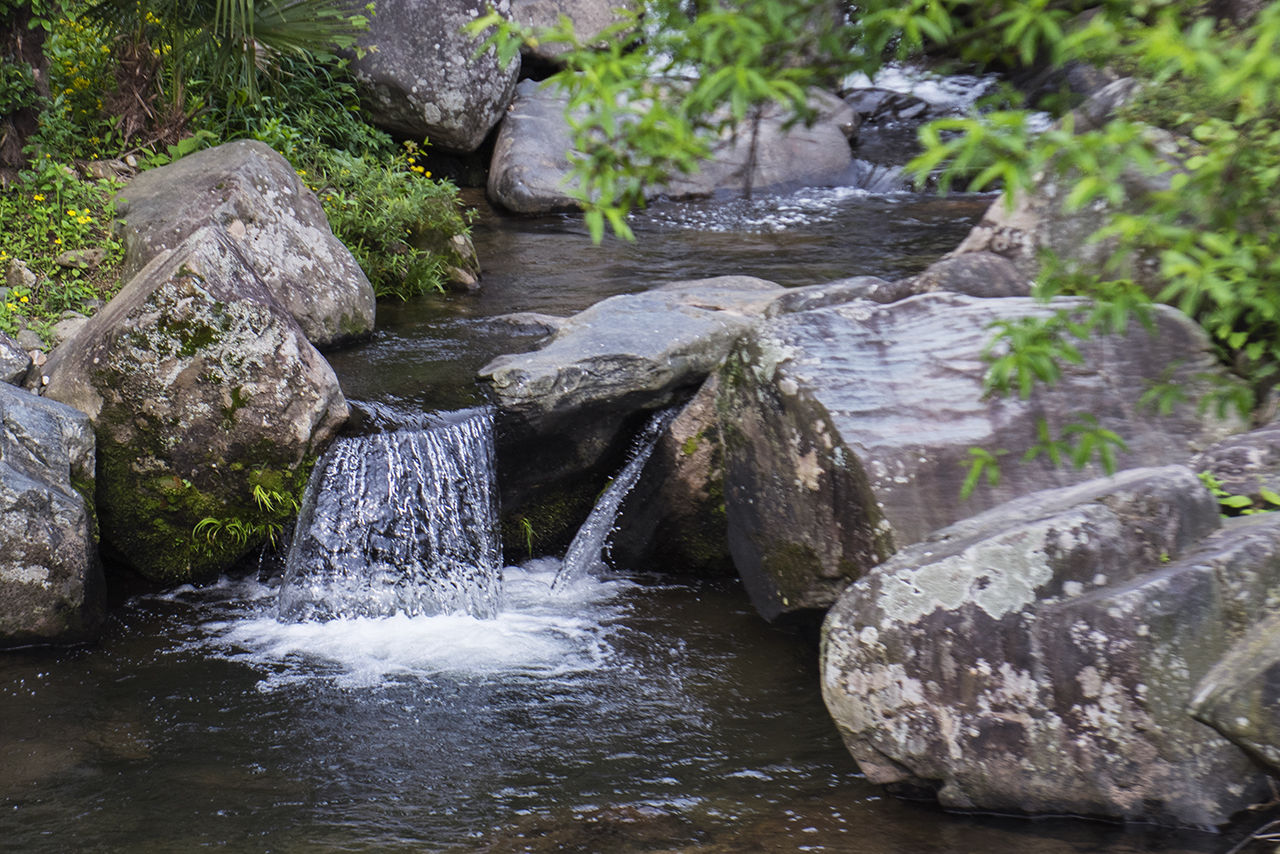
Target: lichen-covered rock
253,195
51,588
530,167
200,388
14,361
1245,464
978,274
847,430
421,78
1039,657
673,520
573,403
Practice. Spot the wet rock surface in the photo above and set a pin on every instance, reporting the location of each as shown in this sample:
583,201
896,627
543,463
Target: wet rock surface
14,361
252,195
1040,656
200,388
847,430
51,588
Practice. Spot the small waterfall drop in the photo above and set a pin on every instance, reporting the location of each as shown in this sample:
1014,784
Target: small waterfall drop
404,522
585,553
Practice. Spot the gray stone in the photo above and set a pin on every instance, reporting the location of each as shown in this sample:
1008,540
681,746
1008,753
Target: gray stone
252,194
573,404
82,259
30,340
673,520
589,18
66,328
838,292
978,274
847,430
1245,464
530,167
421,79
200,387
14,361
1039,658
51,588
18,275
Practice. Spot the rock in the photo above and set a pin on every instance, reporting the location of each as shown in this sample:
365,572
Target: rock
14,361
200,388
673,521
847,430
573,403
1039,657
253,195
836,293
530,166
421,78
29,340
66,328
874,105
19,275
978,274
51,588
1245,464
100,169
589,18
82,259
525,323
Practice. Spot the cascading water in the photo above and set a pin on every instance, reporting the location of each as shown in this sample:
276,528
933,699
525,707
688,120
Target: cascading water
585,552
404,522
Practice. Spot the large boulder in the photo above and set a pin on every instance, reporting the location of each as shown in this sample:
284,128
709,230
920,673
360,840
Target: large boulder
201,390
1240,695
529,172
848,429
252,194
51,588
419,76
1040,657
573,404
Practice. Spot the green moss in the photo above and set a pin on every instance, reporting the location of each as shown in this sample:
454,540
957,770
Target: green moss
792,566
690,446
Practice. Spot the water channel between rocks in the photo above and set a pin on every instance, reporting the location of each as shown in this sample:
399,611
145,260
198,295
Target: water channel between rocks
642,712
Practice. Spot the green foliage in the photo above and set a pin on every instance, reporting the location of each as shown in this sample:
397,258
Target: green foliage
49,210
1267,501
274,508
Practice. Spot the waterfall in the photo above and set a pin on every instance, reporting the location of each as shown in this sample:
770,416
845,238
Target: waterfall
585,553
404,522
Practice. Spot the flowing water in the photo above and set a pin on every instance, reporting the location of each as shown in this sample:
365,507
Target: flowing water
623,712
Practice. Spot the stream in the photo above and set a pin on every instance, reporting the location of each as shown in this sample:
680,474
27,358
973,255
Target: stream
625,712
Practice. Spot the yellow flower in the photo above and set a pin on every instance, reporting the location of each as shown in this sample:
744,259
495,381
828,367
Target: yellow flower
38,197
25,299
72,212
57,240
426,174
11,306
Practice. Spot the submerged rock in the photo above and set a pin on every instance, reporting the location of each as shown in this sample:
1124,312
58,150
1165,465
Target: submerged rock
200,388
1039,657
530,167
420,77
51,588
252,195
847,430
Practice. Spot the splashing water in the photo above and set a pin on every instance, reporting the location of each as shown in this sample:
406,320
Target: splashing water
401,523
585,554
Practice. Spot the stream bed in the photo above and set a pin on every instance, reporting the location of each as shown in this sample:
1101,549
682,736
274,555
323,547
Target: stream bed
630,713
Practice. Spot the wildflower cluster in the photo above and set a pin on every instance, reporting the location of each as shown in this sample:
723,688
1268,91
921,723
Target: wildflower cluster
411,154
81,70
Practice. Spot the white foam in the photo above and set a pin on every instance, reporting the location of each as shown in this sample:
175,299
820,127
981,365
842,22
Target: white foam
536,634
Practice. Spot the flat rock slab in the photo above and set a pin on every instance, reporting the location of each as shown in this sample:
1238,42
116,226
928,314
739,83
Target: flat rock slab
200,388
847,430
51,588
253,195
1040,657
